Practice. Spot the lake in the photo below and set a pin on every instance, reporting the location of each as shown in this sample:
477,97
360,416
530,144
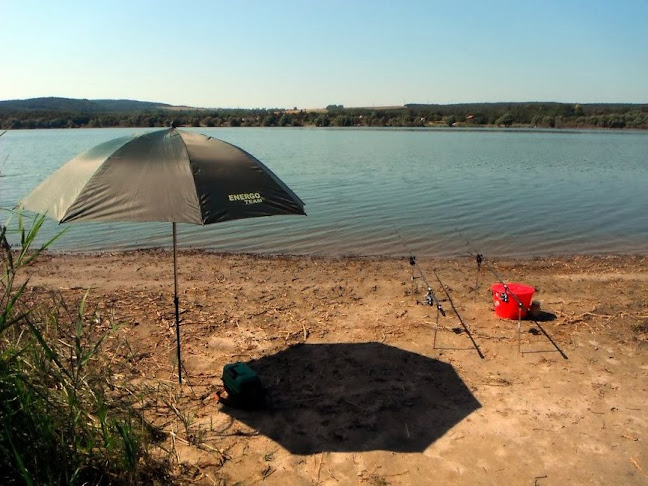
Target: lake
517,193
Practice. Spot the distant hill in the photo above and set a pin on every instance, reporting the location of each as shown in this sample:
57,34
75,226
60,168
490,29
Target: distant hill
53,104
54,112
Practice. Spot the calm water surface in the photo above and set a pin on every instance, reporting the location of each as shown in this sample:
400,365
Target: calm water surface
389,192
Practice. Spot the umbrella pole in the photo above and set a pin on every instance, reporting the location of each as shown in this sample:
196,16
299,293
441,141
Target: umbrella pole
176,301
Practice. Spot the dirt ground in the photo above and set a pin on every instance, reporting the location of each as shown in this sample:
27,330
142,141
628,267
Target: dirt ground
358,391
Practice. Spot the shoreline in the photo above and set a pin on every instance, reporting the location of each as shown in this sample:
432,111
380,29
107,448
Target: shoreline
330,256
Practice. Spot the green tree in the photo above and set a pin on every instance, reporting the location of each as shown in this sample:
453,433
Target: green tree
506,119
343,121
322,121
449,120
269,120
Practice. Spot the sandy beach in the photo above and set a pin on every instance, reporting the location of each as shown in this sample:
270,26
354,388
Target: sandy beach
358,391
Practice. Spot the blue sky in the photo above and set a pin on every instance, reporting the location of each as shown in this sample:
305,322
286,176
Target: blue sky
312,53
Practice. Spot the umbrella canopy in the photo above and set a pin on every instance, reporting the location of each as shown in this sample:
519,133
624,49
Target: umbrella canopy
166,175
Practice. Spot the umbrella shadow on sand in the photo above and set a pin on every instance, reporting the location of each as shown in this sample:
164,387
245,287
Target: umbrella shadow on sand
352,397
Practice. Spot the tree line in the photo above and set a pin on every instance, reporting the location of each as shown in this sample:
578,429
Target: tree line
545,115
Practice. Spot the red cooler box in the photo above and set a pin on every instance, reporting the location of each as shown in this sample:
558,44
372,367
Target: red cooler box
506,306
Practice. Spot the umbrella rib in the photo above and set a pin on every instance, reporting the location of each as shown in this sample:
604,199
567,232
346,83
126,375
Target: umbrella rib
200,204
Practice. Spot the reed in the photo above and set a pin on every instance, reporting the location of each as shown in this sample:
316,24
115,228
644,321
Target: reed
62,418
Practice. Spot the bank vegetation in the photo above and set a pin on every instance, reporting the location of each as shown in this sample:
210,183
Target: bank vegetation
62,113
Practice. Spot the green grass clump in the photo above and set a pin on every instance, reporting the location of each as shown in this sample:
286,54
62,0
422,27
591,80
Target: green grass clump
62,418
641,326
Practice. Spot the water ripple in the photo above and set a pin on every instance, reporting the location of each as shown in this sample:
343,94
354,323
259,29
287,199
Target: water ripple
391,192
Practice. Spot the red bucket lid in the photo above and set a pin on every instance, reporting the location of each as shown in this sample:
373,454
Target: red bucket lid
516,288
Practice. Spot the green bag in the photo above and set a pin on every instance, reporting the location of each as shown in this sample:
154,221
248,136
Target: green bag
243,386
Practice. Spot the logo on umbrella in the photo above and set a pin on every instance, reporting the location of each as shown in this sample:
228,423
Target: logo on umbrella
249,198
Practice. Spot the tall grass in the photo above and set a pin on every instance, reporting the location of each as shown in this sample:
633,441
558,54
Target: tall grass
62,419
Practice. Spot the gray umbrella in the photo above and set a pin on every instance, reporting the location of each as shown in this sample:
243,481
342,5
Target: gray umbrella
167,175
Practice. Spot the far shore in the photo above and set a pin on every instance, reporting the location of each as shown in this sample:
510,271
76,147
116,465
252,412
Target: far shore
431,127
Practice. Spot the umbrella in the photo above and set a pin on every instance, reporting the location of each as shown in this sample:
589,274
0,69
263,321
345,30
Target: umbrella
167,175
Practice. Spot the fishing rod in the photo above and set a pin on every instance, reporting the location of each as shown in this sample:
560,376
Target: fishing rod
431,298
481,355
481,260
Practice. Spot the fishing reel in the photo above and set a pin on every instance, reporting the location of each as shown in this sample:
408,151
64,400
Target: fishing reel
430,300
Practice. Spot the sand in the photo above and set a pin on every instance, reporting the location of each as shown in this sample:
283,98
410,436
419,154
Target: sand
358,392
